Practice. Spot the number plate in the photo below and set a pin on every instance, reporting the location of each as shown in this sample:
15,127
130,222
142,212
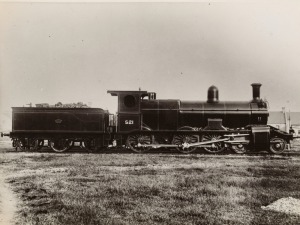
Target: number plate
128,122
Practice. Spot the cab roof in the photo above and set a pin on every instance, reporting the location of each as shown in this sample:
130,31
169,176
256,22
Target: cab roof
117,92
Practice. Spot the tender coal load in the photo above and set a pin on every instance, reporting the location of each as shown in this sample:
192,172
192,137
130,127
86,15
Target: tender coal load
61,105
71,105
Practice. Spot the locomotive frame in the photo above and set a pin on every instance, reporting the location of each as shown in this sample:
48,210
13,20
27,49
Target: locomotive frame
144,122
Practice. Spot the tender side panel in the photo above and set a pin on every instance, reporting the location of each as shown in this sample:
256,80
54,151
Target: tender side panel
59,120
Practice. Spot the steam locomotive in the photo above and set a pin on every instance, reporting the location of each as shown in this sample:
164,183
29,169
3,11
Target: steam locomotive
143,122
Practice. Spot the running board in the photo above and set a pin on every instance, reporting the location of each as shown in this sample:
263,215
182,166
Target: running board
158,146
236,135
237,142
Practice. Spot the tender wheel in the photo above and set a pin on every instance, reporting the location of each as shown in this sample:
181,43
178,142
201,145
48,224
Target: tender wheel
71,145
36,144
61,145
20,143
277,145
238,149
134,142
184,140
90,145
216,147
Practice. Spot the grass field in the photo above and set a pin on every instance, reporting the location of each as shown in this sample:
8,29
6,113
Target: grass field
153,188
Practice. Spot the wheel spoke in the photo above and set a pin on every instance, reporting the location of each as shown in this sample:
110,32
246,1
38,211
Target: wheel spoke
216,147
238,148
185,140
61,145
277,145
134,140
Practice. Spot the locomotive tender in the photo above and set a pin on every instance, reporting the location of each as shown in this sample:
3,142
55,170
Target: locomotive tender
144,122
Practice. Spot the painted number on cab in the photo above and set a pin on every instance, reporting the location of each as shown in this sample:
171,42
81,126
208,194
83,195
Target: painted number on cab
129,122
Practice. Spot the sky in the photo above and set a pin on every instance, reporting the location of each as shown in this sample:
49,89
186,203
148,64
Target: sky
74,52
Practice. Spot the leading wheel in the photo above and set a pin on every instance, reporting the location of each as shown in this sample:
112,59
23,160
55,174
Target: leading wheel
216,147
238,148
277,145
61,145
136,142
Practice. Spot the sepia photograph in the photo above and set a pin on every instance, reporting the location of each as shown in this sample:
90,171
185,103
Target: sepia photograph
149,112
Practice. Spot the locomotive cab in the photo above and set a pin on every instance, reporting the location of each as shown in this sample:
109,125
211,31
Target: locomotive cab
129,109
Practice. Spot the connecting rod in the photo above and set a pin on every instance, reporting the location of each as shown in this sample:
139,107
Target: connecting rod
184,145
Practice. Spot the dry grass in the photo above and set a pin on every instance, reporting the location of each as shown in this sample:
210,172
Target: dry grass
151,189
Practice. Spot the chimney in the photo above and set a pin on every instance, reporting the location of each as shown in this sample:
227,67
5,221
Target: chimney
256,92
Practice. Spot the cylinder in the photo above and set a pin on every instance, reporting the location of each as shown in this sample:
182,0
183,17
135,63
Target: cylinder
213,95
256,91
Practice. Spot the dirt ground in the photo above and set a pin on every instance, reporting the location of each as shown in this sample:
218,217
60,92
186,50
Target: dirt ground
8,202
8,199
